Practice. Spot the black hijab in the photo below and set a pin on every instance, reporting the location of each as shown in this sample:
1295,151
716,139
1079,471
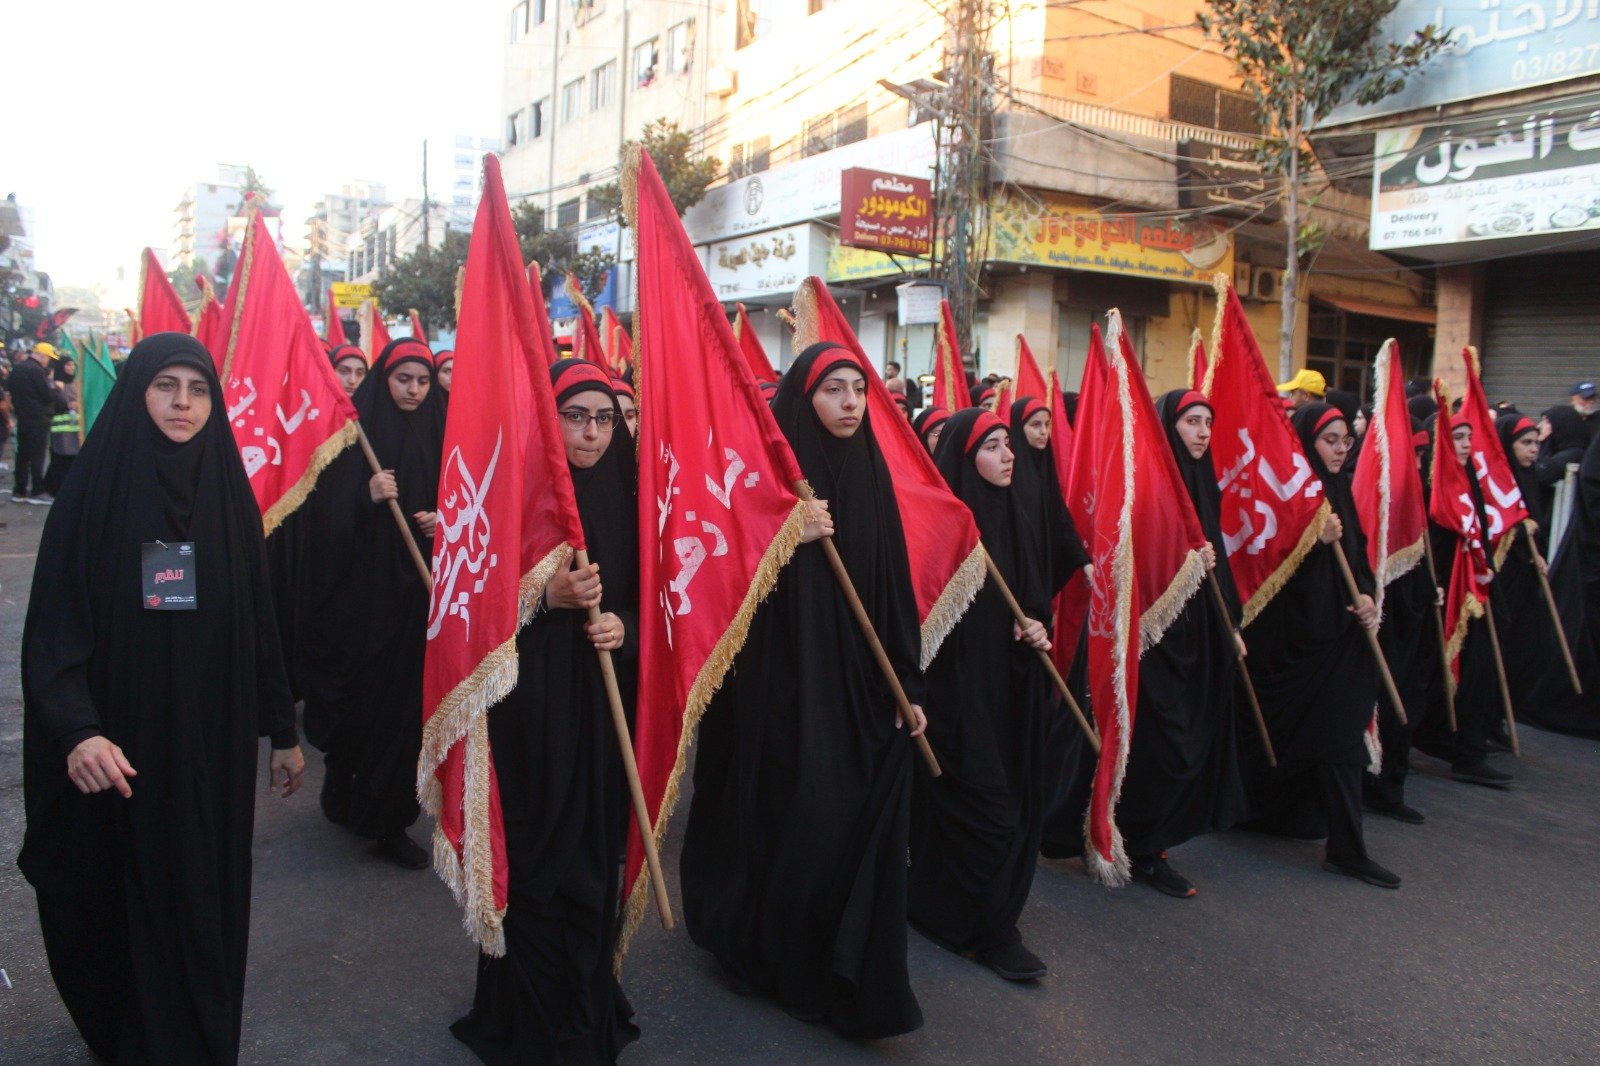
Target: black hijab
1308,422
927,420
1512,427
410,443
1002,521
1200,479
1567,431
1034,484
607,490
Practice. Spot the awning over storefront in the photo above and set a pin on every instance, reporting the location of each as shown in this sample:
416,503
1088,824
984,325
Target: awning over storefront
1424,315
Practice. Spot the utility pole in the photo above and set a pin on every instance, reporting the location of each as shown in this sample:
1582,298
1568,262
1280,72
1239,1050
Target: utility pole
966,122
427,206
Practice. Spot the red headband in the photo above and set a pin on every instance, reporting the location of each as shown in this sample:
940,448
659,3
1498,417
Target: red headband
1523,425
937,416
443,356
830,359
1193,398
622,388
409,348
1035,405
986,424
581,373
986,393
347,351
1332,414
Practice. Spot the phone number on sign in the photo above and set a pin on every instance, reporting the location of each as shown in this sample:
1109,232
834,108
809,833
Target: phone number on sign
1567,61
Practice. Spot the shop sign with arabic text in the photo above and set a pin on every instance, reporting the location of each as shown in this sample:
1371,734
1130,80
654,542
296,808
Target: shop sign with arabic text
1048,229
888,212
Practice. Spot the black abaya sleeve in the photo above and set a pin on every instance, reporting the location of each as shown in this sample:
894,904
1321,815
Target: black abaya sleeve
275,711
56,671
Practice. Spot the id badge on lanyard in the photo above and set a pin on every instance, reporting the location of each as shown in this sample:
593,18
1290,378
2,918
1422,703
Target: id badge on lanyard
167,571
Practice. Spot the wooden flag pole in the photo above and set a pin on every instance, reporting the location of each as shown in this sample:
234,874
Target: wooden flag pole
1500,672
1044,656
394,509
1555,615
630,765
1244,670
1372,638
848,587
1438,626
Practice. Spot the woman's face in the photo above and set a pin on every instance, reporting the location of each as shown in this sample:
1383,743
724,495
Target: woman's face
446,368
1037,430
1461,437
994,458
178,402
352,371
933,437
840,401
1194,429
630,411
1525,449
1333,444
409,384
587,422
1360,423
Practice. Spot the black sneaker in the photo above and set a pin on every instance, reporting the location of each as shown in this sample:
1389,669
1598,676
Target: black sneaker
336,797
1398,811
1363,870
1014,962
1481,773
1155,871
404,852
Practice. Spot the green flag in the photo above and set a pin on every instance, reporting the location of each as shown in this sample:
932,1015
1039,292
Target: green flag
95,376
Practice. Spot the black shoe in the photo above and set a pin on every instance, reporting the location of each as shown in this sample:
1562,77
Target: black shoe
1155,871
1363,870
336,797
1481,773
404,852
1398,811
1013,962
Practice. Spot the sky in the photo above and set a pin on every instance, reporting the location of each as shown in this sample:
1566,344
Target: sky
113,109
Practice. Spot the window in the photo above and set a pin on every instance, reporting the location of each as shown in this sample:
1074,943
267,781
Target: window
584,10
571,100
514,129
603,86
518,29
680,47
752,157
1200,103
536,112
567,213
645,58
594,207
754,21
825,132
538,12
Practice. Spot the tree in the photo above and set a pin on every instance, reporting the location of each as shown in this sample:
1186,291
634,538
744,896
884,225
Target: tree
425,280
684,174
1300,61
550,248
184,282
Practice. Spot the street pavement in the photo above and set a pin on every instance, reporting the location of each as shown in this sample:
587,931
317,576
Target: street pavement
1487,954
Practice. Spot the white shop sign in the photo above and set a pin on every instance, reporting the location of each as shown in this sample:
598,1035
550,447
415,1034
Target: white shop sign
766,264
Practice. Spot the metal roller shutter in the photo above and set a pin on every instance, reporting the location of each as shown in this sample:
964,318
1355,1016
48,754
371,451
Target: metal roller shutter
1541,328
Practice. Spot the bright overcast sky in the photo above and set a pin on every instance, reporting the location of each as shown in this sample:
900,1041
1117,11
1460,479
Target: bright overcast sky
114,108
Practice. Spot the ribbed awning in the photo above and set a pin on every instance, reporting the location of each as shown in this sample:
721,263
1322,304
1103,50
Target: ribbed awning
1426,315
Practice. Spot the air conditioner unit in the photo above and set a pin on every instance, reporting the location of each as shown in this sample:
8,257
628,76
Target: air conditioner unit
722,81
1266,283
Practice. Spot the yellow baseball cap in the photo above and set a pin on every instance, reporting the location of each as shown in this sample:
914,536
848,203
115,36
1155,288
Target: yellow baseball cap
49,350
1305,380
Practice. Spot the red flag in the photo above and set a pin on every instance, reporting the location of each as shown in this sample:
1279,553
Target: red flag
1273,507
160,308
585,337
1197,363
543,339
1029,381
289,413
507,522
1075,466
1451,506
332,324
1388,486
1502,499
750,345
416,327
718,518
134,334
210,325
622,349
947,568
374,334
1073,599
949,373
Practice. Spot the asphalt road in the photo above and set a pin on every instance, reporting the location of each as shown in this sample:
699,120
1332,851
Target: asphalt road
1487,954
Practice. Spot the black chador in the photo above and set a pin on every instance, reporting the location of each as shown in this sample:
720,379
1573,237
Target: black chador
1183,774
1317,682
976,828
794,856
367,633
145,902
553,996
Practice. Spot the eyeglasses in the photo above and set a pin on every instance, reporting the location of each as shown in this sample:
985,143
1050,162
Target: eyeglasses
578,418
1337,441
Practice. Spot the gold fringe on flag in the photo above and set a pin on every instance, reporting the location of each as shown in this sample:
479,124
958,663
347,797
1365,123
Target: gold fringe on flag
1220,284
300,490
245,263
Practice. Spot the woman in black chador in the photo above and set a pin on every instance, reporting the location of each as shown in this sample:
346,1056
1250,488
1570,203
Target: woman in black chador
553,997
1314,674
975,829
367,633
140,720
1183,774
794,857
